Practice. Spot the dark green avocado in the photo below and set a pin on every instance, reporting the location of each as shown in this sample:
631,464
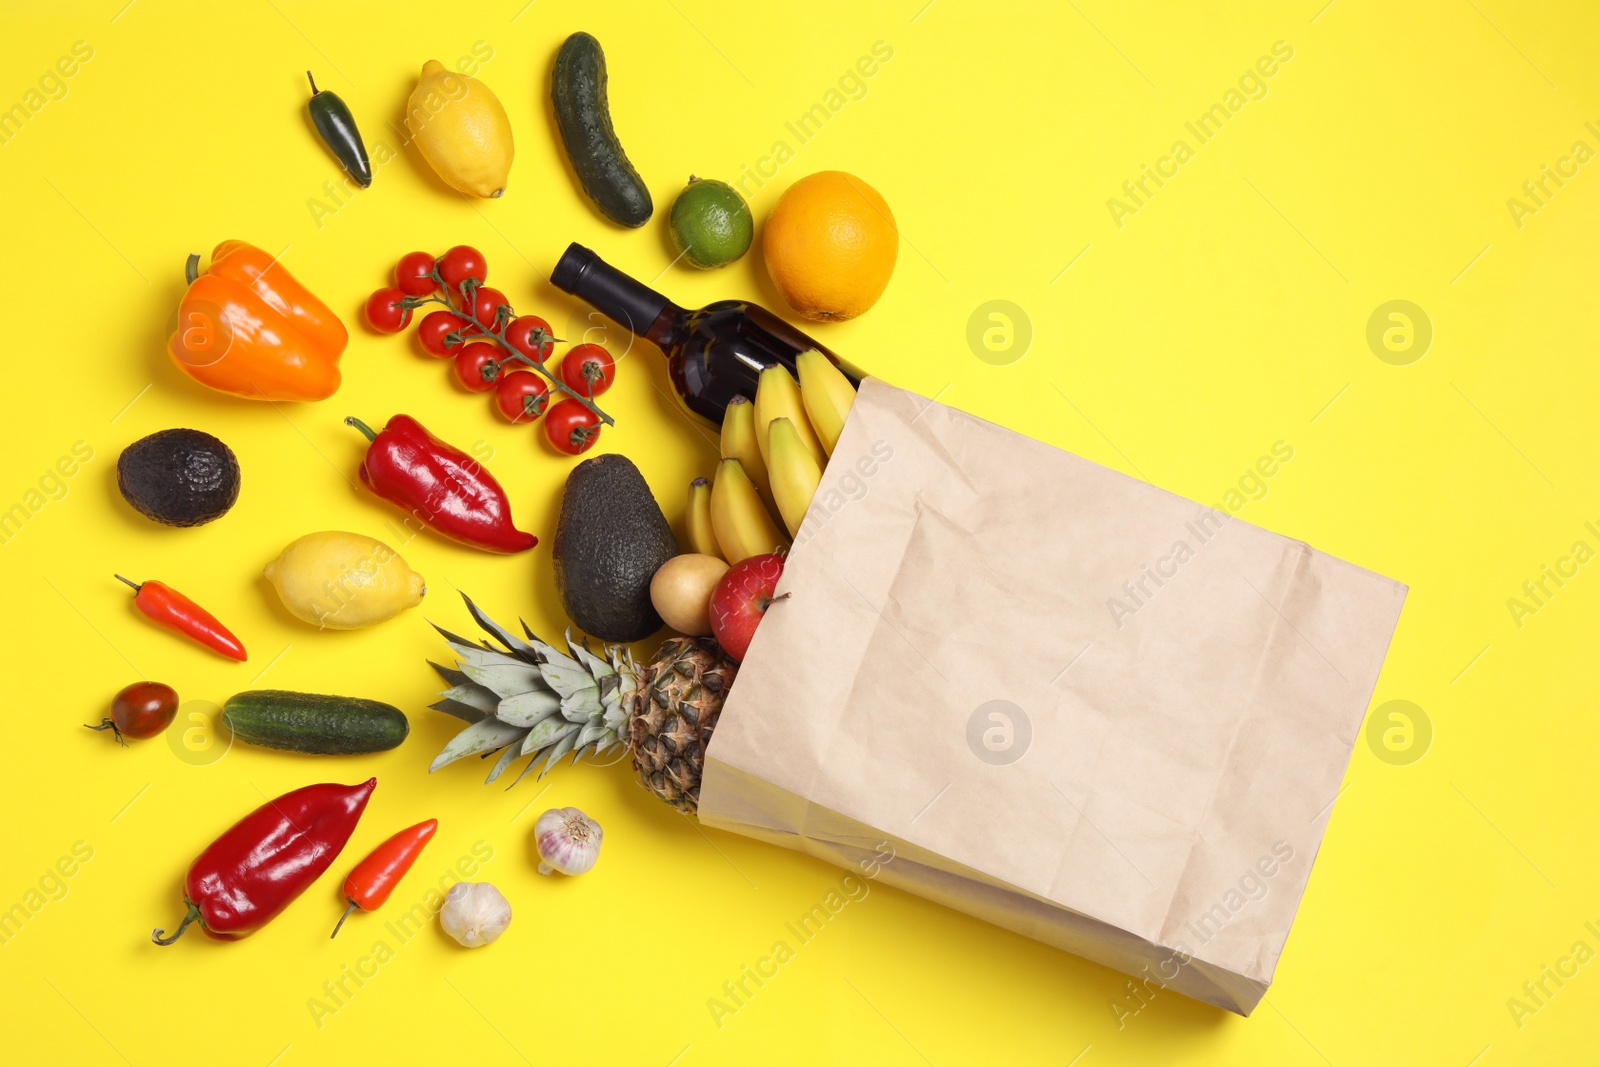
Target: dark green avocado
179,477
610,540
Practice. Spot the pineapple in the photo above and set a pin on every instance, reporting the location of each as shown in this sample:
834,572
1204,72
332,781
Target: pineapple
533,700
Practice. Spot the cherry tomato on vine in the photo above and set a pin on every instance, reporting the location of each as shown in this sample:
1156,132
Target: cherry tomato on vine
571,427
143,709
460,263
478,366
520,336
385,313
588,370
486,305
521,396
434,332
414,274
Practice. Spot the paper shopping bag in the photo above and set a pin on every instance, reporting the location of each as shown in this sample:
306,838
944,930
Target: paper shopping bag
1067,702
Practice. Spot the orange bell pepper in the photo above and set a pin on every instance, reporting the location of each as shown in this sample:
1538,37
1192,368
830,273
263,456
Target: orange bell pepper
246,327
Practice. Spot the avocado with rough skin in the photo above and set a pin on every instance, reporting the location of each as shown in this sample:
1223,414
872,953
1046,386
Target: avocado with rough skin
179,477
610,540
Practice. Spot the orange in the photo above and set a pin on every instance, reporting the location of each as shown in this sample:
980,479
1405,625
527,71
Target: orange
830,245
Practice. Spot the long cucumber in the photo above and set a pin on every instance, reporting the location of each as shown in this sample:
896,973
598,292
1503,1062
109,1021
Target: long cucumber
313,722
578,93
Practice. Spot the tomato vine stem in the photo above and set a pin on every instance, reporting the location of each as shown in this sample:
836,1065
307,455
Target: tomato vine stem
499,338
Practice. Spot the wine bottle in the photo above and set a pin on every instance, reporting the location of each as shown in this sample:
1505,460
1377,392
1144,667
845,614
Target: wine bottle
713,354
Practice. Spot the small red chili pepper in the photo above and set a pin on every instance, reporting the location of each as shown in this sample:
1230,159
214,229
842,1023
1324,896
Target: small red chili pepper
442,486
375,877
165,606
255,870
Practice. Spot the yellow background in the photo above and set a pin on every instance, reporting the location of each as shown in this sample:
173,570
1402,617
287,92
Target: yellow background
1227,314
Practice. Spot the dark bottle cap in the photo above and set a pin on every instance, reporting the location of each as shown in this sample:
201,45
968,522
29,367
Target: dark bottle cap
571,267
628,303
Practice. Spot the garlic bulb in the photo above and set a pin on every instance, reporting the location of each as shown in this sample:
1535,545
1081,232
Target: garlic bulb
568,841
474,913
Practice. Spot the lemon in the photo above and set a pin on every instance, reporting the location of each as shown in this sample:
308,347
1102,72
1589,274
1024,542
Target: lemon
710,223
461,130
344,581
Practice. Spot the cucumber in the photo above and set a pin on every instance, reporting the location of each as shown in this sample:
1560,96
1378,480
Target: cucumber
578,91
312,722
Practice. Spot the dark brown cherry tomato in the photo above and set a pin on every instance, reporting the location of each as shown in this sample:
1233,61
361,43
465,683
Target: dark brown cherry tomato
521,396
141,710
571,427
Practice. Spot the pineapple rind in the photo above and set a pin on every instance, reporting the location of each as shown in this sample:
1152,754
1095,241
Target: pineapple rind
532,700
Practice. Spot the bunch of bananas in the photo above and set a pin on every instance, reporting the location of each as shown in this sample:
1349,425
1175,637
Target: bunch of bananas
773,452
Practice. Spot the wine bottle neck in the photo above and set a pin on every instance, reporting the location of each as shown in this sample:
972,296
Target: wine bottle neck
627,302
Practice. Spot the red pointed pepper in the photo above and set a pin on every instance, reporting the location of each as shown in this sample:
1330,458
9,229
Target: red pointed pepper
166,607
255,870
440,485
375,877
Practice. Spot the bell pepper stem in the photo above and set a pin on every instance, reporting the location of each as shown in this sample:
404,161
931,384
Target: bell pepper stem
156,935
363,427
342,918
191,269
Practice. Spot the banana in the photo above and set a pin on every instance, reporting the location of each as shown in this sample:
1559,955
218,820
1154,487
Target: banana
739,442
778,397
702,538
794,473
738,516
827,395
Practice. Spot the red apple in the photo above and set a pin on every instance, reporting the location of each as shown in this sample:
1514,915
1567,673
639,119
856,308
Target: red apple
740,599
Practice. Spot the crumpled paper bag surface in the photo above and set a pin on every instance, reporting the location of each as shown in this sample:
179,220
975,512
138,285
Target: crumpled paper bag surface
1070,703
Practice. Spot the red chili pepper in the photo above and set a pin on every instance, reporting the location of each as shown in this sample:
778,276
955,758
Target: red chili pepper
255,870
165,606
375,877
440,485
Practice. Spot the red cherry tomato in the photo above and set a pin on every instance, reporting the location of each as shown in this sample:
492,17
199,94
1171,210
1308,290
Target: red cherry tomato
486,305
414,274
520,334
459,264
588,370
571,427
521,396
385,311
478,366
434,333
141,710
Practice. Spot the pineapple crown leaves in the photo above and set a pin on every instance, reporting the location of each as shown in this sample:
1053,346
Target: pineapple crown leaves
528,698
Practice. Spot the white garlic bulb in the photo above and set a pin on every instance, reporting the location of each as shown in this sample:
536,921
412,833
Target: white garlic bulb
474,913
568,841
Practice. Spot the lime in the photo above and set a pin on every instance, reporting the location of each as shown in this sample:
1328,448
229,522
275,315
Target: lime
710,223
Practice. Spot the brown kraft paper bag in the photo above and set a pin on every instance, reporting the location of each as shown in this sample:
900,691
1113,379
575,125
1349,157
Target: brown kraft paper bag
1072,704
